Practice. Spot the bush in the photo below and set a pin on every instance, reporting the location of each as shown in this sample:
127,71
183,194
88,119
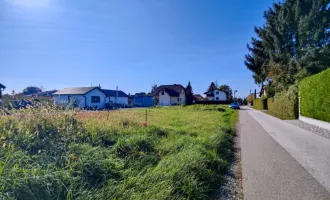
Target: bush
314,92
260,104
285,104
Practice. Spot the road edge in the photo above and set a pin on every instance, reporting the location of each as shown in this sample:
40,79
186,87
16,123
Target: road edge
238,159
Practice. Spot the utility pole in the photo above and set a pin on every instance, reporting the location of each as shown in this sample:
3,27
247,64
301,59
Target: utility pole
116,94
235,93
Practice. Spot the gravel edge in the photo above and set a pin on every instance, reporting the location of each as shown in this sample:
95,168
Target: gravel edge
309,127
232,189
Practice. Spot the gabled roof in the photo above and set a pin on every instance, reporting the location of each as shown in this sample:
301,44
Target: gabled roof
76,90
198,97
112,93
213,91
2,86
173,90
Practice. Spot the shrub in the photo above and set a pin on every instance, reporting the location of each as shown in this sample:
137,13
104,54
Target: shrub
314,92
285,104
260,104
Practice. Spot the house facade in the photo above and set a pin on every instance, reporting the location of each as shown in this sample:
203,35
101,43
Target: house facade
170,95
117,97
216,95
143,101
89,97
81,97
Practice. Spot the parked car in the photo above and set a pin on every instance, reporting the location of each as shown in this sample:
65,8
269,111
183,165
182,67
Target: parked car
234,105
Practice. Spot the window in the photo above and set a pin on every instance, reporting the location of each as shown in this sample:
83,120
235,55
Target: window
95,99
179,99
217,98
162,93
217,92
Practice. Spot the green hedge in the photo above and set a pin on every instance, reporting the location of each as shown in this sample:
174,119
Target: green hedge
270,103
285,104
314,92
260,104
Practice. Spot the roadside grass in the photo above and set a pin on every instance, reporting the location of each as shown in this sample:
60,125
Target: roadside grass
181,154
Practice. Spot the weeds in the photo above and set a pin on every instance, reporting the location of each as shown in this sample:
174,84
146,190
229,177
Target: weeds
51,154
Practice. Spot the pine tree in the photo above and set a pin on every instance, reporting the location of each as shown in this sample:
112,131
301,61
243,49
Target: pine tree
211,87
189,94
153,88
293,43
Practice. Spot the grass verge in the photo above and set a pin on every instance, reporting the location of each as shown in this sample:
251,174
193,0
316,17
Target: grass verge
181,154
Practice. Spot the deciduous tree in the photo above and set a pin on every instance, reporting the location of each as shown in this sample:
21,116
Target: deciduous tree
226,89
31,90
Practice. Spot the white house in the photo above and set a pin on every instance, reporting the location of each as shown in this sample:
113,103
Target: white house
114,96
89,97
216,95
170,95
81,97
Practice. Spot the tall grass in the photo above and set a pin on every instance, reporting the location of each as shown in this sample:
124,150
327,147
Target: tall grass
181,154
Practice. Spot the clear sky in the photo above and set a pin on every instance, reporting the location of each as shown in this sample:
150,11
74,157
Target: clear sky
127,43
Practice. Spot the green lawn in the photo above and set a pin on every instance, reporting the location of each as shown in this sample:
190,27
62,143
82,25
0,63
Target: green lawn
181,154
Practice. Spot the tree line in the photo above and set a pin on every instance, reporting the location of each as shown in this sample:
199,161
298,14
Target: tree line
293,43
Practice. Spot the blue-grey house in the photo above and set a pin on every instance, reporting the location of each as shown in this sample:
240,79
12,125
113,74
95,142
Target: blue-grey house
143,101
2,88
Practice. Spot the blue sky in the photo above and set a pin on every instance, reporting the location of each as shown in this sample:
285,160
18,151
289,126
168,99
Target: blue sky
127,43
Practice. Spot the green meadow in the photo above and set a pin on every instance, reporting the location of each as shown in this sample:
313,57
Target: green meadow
180,153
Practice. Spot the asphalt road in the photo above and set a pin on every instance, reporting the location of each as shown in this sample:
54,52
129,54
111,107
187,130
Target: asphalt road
282,161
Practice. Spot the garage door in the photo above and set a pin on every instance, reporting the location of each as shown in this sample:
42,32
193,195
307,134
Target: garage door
165,103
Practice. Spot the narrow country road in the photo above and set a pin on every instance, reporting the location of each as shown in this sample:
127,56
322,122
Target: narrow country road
280,160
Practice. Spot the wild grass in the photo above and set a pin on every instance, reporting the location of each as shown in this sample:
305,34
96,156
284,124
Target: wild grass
181,154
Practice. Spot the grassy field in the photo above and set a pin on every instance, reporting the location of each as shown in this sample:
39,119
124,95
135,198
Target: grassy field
181,154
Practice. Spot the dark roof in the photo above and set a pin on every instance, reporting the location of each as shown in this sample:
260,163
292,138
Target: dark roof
45,93
142,94
198,97
136,97
172,90
2,86
112,93
76,90
212,91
